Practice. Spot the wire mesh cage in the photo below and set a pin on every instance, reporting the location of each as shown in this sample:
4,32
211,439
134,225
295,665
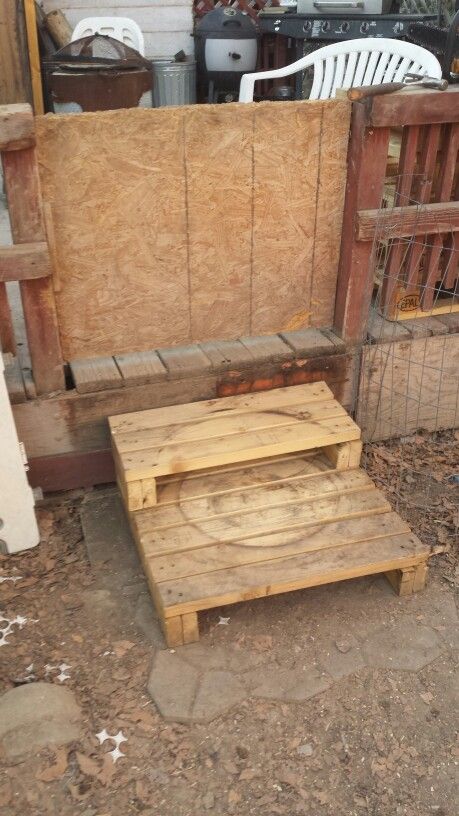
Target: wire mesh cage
409,390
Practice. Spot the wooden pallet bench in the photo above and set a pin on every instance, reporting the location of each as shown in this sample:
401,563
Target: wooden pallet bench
250,496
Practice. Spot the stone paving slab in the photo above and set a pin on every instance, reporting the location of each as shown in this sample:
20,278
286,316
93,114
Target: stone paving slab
286,648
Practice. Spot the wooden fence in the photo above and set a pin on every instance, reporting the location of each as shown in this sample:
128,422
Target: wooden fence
427,175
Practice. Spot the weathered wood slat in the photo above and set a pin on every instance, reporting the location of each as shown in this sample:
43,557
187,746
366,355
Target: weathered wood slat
16,127
402,222
25,262
24,203
412,107
99,374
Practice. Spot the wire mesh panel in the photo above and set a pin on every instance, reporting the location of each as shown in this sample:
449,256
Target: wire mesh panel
409,387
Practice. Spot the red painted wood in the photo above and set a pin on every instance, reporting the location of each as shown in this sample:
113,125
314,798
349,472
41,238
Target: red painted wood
24,203
423,190
7,339
72,470
367,160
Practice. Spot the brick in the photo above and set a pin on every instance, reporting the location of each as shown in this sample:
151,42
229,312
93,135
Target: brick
227,354
184,361
308,342
268,348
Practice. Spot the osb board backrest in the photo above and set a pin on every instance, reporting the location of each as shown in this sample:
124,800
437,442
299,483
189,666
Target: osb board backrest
176,225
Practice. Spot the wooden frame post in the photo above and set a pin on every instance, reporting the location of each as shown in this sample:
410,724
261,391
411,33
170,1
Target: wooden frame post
22,187
367,160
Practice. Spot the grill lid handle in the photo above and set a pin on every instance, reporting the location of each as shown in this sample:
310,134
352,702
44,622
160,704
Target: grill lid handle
354,4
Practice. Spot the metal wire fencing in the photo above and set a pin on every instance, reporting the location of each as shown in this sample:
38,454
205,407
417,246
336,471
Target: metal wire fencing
408,403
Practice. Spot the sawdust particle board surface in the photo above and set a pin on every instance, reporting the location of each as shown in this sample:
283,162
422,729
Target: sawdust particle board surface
179,225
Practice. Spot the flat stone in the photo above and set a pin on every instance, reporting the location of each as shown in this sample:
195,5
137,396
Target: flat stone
268,348
218,692
185,361
172,685
289,685
342,657
305,750
309,342
36,716
206,656
226,354
405,645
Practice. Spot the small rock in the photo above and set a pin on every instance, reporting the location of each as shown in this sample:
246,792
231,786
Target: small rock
344,645
242,752
305,750
37,715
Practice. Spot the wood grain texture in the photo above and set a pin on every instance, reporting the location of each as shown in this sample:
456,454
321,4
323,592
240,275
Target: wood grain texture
14,67
330,204
16,127
189,243
285,193
120,228
24,261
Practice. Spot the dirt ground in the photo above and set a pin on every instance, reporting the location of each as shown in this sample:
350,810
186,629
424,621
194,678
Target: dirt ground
377,742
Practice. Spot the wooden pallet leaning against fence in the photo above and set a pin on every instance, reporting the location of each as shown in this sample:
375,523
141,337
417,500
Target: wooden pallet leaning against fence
254,495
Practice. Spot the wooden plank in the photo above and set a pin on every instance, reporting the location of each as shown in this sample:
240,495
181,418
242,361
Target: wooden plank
253,497
219,254
13,379
403,222
285,196
423,189
24,205
275,546
224,450
223,480
219,426
413,107
7,338
333,168
25,261
443,193
14,64
34,56
71,470
346,455
298,572
140,367
258,523
16,127
96,375
367,158
190,627
278,398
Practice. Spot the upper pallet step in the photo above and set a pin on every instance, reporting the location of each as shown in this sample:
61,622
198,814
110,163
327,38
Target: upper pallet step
185,438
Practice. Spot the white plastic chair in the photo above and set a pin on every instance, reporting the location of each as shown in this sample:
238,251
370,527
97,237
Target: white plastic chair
120,28
349,64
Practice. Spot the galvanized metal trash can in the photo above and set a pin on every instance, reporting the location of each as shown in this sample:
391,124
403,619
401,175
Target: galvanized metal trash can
174,83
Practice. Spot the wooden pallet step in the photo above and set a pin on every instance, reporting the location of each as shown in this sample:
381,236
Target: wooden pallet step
215,433
250,496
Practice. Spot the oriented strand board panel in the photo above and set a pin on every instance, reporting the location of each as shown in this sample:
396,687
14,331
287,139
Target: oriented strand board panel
176,225
286,171
218,153
116,189
334,139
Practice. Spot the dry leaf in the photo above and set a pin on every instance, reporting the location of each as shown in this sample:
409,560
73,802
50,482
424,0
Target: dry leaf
56,770
120,647
108,769
233,797
87,765
6,793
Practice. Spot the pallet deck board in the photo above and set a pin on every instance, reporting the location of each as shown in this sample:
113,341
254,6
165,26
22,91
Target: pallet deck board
219,518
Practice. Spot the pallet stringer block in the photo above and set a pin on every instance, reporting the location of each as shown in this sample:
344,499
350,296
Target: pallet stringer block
409,580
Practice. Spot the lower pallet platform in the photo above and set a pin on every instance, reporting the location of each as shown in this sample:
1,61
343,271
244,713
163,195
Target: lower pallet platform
231,534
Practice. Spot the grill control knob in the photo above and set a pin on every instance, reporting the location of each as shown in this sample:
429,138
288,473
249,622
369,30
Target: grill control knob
307,25
345,26
325,25
364,28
